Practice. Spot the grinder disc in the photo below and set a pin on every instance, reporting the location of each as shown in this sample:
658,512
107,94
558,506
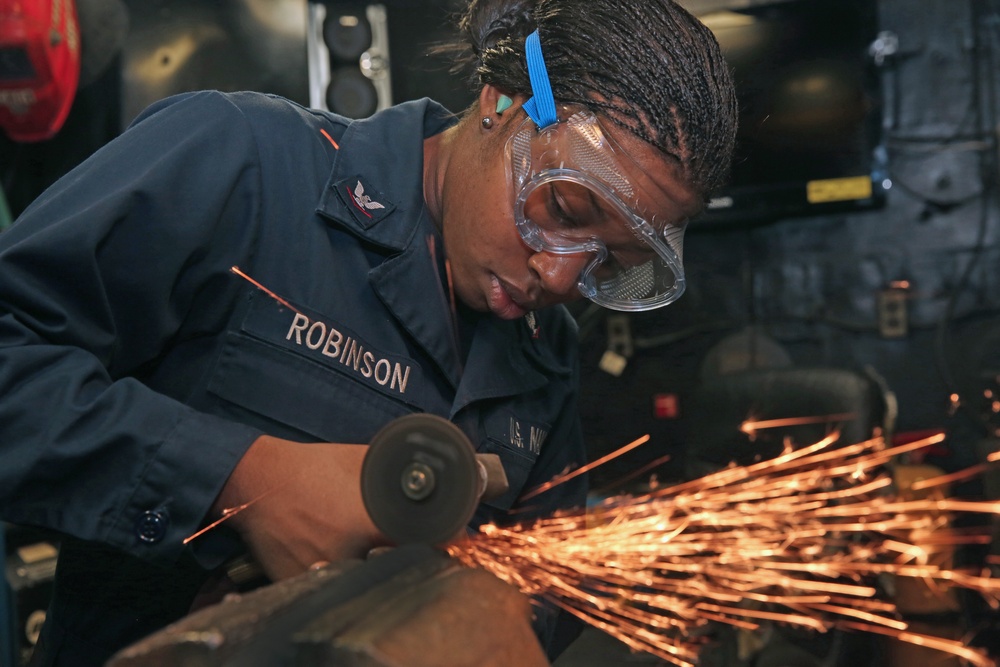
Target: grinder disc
420,480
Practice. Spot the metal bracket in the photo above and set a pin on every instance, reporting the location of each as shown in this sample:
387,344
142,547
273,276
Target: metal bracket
620,345
893,319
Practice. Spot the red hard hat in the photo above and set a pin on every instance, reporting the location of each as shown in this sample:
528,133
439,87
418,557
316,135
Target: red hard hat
39,66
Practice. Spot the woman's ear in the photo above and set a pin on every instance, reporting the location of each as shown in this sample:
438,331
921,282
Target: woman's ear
495,104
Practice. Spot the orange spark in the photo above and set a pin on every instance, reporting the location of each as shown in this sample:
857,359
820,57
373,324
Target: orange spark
635,474
229,513
555,481
941,480
273,295
750,426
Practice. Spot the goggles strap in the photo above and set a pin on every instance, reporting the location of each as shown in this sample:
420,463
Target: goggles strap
541,107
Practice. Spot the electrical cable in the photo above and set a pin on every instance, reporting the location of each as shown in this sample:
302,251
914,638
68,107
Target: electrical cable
669,338
957,140
6,219
587,320
983,52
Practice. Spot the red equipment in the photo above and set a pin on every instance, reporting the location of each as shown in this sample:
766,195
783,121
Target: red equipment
39,66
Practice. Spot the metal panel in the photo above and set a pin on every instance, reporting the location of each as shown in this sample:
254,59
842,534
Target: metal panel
175,46
7,652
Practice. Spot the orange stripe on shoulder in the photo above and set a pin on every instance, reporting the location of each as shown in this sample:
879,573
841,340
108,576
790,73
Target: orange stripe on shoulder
329,138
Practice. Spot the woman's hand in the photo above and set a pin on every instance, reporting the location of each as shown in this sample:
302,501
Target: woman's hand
306,504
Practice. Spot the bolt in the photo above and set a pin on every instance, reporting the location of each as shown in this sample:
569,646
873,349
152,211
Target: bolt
418,480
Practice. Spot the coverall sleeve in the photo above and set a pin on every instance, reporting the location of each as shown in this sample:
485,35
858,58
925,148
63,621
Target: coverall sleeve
125,256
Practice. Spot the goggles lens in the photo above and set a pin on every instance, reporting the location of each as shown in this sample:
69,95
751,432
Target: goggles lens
576,192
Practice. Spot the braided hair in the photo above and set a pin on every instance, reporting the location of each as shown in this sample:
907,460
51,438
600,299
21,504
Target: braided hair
647,65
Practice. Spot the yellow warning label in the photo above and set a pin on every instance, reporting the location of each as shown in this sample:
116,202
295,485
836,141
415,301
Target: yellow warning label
839,189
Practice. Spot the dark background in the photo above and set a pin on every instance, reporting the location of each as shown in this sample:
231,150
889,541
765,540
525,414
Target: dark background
807,290
807,287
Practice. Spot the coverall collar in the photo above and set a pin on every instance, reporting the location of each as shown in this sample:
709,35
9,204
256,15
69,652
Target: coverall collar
408,281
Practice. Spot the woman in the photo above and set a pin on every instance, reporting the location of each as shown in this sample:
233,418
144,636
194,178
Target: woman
410,262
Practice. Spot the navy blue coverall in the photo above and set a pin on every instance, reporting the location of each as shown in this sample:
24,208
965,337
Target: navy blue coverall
136,368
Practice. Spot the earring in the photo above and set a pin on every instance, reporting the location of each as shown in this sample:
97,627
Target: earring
487,122
503,103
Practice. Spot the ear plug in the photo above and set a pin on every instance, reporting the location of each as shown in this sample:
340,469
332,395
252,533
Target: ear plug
504,103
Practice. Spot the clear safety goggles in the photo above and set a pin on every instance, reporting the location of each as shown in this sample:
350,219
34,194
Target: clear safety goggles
577,193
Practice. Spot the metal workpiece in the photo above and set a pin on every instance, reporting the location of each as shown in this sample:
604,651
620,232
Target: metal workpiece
422,479
409,606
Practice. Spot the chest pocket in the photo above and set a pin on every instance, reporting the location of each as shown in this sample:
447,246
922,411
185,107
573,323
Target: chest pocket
517,440
305,371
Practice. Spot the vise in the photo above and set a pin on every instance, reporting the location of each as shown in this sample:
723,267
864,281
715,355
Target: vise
409,606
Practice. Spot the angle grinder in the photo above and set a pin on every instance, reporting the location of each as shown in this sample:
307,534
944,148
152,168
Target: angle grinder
421,480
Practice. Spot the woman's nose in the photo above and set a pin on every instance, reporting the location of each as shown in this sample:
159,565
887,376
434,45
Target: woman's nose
559,273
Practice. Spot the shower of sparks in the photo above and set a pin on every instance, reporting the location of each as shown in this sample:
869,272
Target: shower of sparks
801,540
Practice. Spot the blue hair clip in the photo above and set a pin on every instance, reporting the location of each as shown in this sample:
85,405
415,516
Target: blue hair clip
541,107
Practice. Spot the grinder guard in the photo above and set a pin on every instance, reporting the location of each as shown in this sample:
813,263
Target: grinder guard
420,480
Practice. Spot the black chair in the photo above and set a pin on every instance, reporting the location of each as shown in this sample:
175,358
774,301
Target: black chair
816,401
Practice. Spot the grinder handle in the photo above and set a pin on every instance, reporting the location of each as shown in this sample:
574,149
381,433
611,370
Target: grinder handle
492,477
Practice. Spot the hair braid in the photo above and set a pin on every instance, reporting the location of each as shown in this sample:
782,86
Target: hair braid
647,65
